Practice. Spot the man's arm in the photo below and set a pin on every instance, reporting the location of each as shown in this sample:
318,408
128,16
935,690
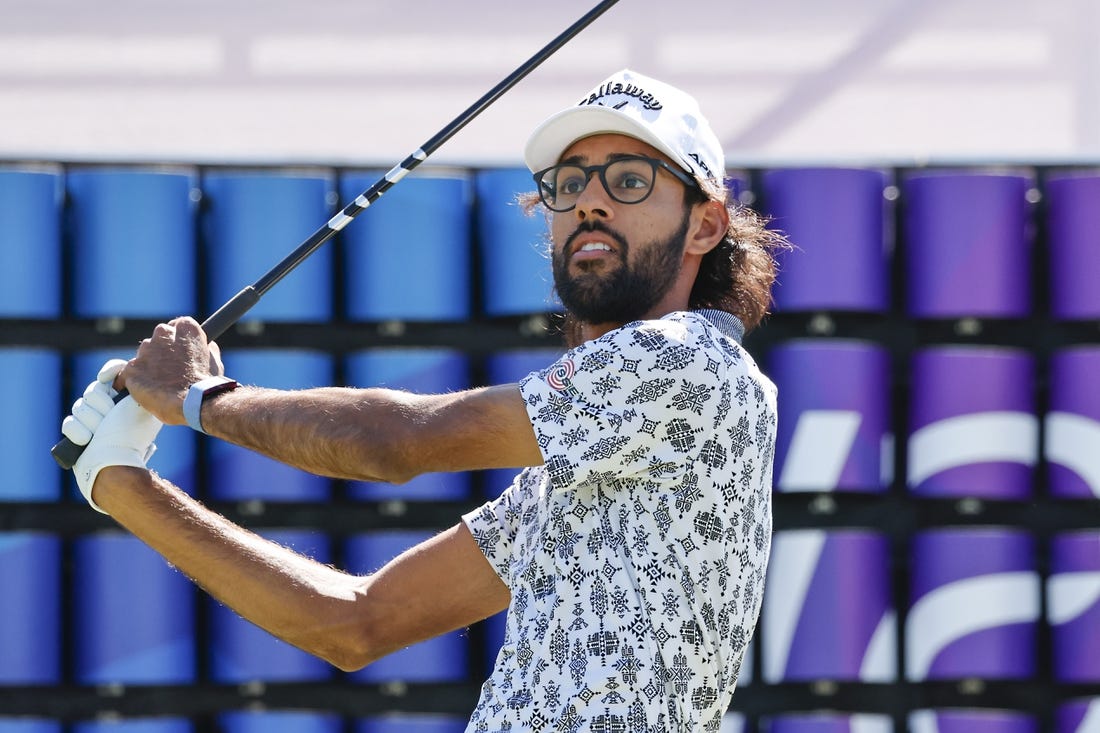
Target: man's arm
442,584
367,434
378,434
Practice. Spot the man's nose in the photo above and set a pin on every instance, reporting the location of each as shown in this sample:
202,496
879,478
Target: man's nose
594,199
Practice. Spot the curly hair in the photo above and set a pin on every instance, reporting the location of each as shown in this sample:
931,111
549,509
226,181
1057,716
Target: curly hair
736,276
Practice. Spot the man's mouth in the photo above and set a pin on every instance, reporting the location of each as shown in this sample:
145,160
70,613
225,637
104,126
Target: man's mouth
591,245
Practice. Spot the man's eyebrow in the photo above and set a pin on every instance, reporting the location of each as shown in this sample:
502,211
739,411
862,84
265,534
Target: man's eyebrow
580,159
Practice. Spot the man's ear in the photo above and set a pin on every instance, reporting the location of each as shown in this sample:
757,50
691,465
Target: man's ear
710,221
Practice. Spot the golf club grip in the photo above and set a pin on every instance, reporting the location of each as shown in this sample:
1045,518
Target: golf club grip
66,452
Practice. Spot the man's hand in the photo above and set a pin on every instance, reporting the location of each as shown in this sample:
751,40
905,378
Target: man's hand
176,356
115,434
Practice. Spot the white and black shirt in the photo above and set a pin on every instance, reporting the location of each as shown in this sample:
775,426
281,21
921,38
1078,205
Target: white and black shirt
636,553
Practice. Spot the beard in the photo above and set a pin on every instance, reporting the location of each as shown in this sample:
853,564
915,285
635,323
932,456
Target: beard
628,292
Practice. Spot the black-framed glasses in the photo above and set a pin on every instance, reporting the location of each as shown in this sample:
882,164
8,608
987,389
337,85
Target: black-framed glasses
628,180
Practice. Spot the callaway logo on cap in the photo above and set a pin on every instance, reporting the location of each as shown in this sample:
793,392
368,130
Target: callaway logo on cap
629,103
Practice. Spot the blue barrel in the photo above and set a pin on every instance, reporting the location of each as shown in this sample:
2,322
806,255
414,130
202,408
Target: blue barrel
133,242
408,257
237,474
513,247
279,721
29,725
242,652
441,659
31,474
493,630
425,371
134,725
30,244
254,220
30,616
134,614
410,723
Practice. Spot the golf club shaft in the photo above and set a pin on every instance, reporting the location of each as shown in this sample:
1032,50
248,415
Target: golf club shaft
65,452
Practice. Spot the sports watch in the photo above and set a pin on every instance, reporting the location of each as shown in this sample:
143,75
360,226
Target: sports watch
198,392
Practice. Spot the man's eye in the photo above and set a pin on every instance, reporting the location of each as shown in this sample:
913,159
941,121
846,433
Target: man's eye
570,186
632,180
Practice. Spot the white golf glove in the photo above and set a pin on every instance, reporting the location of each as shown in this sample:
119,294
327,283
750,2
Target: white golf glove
115,434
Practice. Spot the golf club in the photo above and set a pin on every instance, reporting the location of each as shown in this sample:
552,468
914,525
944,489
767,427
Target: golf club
65,452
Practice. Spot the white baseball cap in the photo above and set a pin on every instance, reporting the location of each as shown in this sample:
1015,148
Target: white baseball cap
629,103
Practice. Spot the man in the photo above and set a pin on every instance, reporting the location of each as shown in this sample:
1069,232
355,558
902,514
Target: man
631,550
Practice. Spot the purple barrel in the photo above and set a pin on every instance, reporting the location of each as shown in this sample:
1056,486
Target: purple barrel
1078,716
828,612
426,371
972,424
973,605
1073,606
835,218
134,614
440,659
834,417
964,720
1073,236
241,652
967,244
1072,425
829,722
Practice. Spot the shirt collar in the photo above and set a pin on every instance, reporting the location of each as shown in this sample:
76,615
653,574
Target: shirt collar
729,324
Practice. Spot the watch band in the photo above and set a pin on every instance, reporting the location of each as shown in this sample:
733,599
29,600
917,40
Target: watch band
199,391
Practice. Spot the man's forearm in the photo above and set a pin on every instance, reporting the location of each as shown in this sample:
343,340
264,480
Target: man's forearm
306,603
338,432
443,584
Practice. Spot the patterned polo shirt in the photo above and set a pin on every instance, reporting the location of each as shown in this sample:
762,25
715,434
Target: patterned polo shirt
636,553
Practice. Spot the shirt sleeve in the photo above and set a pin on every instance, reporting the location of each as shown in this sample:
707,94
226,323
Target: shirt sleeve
495,524
640,400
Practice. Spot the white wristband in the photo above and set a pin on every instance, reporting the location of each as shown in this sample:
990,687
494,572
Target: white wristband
199,391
